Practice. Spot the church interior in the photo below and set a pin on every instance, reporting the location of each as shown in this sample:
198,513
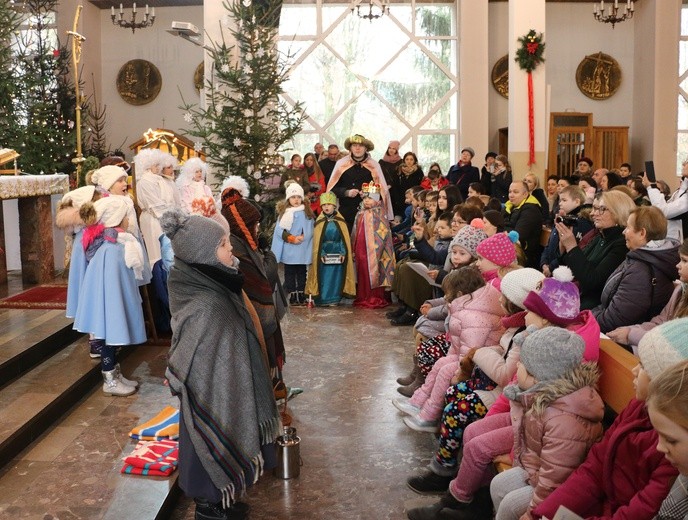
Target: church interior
62,441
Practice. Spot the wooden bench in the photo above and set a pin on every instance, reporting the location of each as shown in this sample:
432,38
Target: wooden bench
616,380
544,236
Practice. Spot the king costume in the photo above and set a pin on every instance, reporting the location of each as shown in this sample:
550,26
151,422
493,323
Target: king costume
328,281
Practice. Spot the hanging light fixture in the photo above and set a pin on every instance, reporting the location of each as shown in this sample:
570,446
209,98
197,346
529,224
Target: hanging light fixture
613,17
376,8
148,19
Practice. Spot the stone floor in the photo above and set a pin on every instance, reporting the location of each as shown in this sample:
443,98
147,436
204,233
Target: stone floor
356,451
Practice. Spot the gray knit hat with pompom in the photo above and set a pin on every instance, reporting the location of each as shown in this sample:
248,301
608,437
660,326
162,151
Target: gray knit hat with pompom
195,239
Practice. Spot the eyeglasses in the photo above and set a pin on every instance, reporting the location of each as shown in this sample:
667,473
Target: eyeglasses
598,209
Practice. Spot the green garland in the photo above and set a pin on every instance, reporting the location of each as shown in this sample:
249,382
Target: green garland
529,55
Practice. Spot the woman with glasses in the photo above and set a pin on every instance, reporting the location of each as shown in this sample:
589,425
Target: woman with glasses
642,285
604,249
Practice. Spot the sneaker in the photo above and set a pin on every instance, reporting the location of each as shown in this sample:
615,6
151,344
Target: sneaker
95,347
420,425
404,406
429,484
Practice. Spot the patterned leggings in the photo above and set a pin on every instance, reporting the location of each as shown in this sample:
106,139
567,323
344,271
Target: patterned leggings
463,407
430,350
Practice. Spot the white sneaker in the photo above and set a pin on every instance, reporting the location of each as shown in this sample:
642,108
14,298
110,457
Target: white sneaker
115,387
419,425
128,382
403,405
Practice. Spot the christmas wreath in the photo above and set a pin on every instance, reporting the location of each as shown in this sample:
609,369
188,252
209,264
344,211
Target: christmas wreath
529,54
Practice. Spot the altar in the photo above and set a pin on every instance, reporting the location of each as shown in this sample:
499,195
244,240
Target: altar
33,194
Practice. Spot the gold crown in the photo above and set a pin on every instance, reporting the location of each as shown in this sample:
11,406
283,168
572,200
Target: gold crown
370,188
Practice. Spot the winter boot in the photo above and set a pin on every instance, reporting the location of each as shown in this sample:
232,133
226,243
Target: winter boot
479,509
429,483
124,380
207,511
396,312
407,391
113,386
405,381
95,347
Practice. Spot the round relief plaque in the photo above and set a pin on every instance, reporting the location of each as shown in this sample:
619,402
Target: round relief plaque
598,76
500,76
199,74
138,82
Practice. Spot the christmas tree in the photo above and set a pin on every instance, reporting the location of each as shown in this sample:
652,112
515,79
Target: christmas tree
46,102
245,123
9,124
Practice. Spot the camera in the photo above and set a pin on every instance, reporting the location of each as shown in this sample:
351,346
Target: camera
567,220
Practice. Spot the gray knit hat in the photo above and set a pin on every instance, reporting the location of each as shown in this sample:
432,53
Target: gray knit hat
469,237
664,346
194,238
518,283
549,353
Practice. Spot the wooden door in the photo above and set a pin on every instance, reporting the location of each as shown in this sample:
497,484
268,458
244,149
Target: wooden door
570,138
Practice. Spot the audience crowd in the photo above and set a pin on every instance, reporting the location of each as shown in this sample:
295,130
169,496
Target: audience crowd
508,288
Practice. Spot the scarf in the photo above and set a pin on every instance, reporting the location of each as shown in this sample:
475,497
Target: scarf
287,219
216,368
408,170
133,253
94,236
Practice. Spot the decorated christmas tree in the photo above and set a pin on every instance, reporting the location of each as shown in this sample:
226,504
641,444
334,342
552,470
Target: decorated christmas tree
45,99
9,123
244,123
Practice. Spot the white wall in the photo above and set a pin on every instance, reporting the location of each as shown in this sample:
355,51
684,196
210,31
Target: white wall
175,58
572,33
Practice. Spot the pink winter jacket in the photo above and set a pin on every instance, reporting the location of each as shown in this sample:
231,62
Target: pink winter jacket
475,320
555,427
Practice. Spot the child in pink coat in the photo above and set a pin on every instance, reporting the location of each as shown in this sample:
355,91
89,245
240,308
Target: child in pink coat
556,415
474,322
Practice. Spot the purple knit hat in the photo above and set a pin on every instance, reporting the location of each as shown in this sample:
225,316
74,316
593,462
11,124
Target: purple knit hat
557,300
498,249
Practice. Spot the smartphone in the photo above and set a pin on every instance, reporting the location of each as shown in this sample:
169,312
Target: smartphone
650,171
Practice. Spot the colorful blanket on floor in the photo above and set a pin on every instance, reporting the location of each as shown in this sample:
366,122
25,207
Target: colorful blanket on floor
152,459
165,425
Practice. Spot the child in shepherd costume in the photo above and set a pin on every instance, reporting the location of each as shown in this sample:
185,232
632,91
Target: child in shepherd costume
373,250
332,273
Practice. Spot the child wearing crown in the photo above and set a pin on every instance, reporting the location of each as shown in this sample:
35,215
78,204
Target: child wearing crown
373,250
332,273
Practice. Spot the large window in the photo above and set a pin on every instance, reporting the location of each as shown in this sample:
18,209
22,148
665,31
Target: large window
682,143
391,78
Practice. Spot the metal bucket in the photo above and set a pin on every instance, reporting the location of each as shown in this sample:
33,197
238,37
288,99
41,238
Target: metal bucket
288,454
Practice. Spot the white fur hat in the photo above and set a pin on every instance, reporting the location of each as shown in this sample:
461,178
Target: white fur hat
238,183
106,176
188,169
111,210
79,196
294,189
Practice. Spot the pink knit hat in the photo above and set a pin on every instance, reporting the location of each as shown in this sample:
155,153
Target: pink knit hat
499,249
558,299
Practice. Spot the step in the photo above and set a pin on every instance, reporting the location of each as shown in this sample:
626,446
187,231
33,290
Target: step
27,337
30,404
73,468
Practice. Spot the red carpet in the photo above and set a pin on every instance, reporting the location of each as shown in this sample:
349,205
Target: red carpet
49,296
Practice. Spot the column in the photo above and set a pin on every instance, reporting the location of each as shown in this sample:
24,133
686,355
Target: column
36,239
525,15
474,78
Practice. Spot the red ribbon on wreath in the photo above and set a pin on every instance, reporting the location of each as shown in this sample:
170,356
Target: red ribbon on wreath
528,56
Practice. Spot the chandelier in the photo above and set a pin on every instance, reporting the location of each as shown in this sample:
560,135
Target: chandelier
148,19
613,17
376,8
